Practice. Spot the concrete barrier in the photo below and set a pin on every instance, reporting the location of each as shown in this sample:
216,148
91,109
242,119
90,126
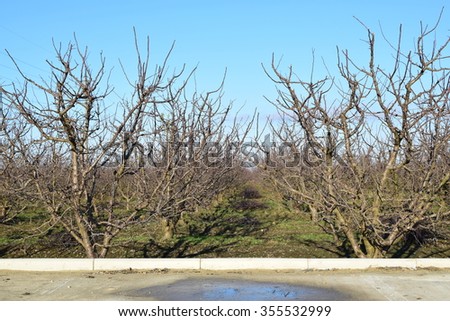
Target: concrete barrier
433,263
47,264
254,264
360,264
217,264
145,264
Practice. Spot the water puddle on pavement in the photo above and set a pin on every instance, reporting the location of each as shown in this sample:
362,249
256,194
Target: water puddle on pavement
236,290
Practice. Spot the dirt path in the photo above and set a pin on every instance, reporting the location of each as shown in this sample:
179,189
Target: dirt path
227,285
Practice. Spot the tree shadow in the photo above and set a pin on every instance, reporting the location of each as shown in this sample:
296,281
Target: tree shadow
417,240
206,233
4,250
444,253
338,250
184,248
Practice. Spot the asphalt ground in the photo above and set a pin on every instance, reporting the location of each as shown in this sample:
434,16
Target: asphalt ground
172,285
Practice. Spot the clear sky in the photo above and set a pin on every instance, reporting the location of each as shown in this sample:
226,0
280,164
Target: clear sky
215,35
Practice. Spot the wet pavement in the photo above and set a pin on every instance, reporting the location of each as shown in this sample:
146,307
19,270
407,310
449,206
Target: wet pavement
217,289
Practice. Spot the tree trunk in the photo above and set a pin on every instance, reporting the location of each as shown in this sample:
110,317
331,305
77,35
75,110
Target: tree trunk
106,245
84,236
314,214
90,253
371,250
168,228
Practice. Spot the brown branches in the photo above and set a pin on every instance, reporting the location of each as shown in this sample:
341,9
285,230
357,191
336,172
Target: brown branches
382,153
163,152
78,137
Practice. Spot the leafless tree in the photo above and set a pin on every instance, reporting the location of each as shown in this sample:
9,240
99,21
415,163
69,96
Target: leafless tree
77,135
15,182
160,153
374,167
192,148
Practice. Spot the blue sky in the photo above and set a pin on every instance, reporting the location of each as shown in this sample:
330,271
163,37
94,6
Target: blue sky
215,35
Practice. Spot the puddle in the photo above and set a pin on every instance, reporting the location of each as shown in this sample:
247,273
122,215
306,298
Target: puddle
236,290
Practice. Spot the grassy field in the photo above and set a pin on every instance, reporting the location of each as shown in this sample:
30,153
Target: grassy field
253,221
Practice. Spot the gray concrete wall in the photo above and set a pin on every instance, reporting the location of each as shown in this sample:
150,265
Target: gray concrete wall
216,264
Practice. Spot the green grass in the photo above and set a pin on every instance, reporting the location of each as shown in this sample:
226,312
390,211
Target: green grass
264,226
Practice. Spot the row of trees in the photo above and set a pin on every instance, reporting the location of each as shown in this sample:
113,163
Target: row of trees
378,166
86,164
374,168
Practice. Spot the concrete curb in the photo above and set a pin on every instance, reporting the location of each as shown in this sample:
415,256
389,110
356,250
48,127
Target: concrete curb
47,264
254,264
217,264
145,264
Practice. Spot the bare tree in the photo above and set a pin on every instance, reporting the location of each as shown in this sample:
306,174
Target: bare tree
77,135
159,154
374,167
192,148
15,183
